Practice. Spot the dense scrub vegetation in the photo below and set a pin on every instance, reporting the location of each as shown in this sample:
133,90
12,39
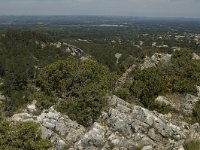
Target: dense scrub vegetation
104,52
20,59
196,113
21,135
20,54
85,82
181,76
147,85
81,84
192,145
30,71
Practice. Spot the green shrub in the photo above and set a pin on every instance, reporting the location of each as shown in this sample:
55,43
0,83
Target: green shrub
184,71
192,145
84,110
147,85
183,85
44,101
20,60
21,135
16,100
162,108
196,113
181,75
123,93
83,85
181,58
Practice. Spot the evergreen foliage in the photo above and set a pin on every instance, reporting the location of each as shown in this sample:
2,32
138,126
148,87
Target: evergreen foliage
83,85
21,135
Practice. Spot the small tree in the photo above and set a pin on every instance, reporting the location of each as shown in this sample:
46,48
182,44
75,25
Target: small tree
82,84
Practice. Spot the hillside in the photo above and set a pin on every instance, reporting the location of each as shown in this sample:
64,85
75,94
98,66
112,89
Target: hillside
69,98
123,126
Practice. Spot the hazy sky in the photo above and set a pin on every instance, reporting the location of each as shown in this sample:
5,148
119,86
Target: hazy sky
149,8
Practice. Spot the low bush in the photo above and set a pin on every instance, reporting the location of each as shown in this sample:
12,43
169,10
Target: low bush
44,101
21,135
162,108
147,85
123,93
196,113
192,145
16,101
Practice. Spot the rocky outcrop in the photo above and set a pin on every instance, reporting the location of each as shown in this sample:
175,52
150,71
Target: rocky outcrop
198,91
58,128
122,80
93,139
127,126
164,100
149,62
123,126
188,104
118,56
73,50
32,107
195,56
154,60
2,98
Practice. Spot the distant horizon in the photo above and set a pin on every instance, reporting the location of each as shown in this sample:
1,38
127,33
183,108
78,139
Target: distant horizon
80,15
146,8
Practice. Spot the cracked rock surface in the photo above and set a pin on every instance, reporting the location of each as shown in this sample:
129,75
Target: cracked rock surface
123,127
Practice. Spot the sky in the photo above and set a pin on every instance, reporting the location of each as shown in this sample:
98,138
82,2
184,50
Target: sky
140,8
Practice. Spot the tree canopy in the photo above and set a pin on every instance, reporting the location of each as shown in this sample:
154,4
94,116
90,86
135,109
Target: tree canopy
82,84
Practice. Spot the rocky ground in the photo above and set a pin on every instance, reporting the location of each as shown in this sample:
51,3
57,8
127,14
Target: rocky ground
124,126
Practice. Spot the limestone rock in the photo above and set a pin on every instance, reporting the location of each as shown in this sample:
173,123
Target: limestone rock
154,60
120,142
73,50
195,56
95,138
118,56
120,122
188,104
198,91
57,128
2,97
149,147
123,127
32,107
60,145
46,133
22,117
152,134
164,100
